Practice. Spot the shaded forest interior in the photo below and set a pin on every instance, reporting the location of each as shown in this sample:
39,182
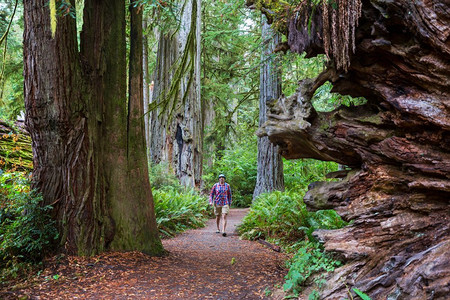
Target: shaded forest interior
353,90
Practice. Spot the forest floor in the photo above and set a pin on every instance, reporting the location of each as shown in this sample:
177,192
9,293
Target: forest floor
200,264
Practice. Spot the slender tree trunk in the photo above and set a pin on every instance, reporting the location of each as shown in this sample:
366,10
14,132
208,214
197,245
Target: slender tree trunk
146,87
270,164
177,125
79,130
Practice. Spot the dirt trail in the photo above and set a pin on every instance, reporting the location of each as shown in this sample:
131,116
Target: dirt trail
199,266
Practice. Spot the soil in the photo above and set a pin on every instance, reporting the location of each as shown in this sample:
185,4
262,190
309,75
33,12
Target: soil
201,264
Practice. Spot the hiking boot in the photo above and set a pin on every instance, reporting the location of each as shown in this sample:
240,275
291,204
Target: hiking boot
224,234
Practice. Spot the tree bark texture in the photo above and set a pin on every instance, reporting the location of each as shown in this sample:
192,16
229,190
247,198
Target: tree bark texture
76,114
142,215
146,87
270,164
177,125
396,145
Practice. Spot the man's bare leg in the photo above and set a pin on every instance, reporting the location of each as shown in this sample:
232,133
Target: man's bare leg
218,222
224,223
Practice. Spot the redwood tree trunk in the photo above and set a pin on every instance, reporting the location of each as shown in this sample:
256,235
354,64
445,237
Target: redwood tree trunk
270,164
78,122
146,87
137,215
397,146
177,124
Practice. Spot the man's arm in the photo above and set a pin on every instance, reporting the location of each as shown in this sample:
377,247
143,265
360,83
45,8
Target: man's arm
212,194
229,194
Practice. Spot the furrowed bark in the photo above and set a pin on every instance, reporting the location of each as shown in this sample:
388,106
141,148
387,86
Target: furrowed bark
177,124
77,117
270,164
140,219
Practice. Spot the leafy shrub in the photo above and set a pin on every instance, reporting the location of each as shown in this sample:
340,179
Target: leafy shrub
178,211
276,215
283,216
309,260
26,229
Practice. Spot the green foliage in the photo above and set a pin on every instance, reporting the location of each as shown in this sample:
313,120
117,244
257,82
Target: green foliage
275,215
325,100
163,14
178,211
361,294
26,229
309,260
283,216
11,62
299,173
15,148
230,72
176,207
240,168
296,67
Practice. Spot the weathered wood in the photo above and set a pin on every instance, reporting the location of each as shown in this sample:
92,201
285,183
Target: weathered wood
397,146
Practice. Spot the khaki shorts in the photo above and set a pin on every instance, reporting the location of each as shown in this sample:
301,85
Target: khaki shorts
218,210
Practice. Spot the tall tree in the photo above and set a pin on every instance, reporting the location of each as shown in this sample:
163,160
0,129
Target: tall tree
270,164
230,74
88,153
176,123
146,85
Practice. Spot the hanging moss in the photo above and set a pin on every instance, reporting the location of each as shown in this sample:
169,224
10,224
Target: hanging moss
184,67
339,18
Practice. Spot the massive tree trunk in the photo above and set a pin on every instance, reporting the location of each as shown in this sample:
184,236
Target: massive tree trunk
77,116
177,125
396,145
270,165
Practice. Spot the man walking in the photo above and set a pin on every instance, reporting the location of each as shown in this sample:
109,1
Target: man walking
220,198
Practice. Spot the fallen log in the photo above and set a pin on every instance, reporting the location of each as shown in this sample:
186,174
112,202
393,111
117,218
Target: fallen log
271,246
15,148
397,144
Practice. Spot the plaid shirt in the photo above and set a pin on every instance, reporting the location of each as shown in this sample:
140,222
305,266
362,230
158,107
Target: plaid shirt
220,194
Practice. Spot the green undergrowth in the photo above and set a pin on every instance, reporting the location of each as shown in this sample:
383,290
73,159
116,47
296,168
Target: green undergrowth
282,218
308,260
177,211
240,168
177,208
26,229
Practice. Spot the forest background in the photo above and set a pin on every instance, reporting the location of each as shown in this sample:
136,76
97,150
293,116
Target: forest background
230,85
